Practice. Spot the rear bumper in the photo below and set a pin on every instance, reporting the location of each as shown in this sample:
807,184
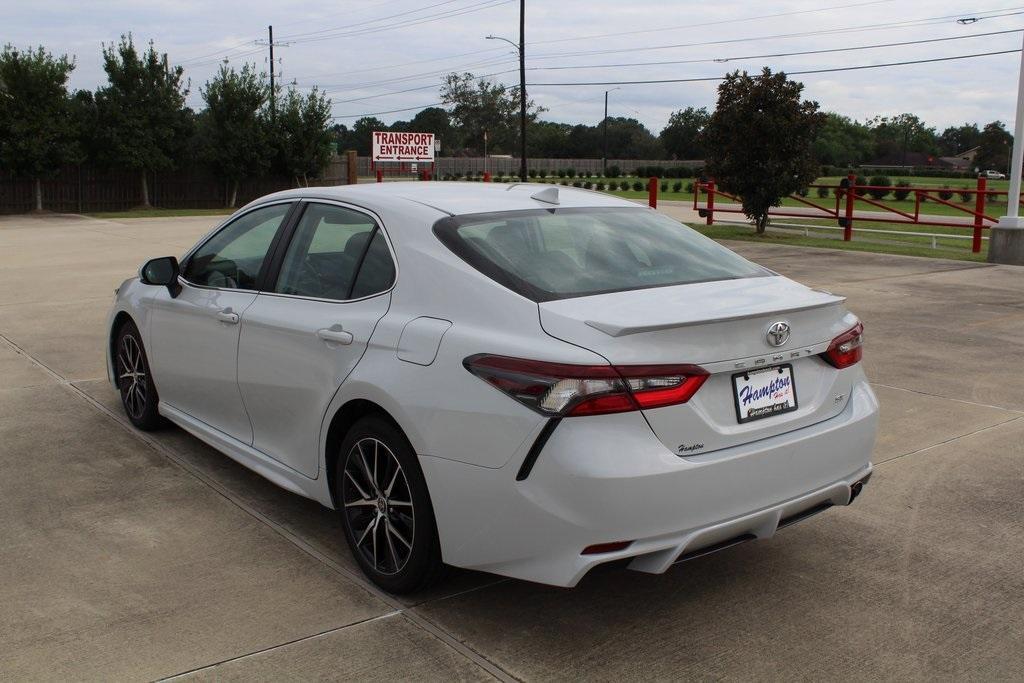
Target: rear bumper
608,478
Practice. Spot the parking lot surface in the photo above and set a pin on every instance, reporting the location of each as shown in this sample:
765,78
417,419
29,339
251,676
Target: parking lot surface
144,556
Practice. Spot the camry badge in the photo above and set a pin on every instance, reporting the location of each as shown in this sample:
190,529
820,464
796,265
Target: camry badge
778,333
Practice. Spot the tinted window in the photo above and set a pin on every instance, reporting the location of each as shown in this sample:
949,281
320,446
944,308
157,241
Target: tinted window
327,249
378,270
233,257
560,253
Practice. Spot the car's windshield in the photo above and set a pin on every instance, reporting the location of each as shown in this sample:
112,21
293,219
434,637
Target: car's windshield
550,254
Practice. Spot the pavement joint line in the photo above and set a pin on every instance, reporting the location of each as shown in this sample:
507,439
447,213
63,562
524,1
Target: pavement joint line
947,398
422,622
948,441
271,648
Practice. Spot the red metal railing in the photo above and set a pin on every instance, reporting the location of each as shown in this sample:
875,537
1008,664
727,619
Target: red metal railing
847,194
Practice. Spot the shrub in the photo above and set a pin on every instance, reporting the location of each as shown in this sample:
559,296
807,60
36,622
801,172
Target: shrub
563,182
577,183
822,192
677,186
803,191
640,171
861,180
561,173
882,181
624,185
532,173
587,185
599,186
946,193
966,195
571,172
638,186
613,172
664,186
902,190
543,173
689,188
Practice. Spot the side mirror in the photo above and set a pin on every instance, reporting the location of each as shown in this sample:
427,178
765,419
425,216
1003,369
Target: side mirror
162,272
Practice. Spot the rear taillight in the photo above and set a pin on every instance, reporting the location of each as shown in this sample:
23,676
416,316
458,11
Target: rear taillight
846,349
562,389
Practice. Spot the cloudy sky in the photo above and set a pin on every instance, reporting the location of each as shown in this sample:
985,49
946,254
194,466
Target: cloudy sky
363,52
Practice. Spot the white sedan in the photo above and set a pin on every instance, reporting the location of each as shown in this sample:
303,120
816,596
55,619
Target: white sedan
519,379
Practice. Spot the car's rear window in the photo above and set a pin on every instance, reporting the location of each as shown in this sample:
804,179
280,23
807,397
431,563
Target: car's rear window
547,254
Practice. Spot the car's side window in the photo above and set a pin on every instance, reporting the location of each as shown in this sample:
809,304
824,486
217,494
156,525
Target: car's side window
326,251
233,257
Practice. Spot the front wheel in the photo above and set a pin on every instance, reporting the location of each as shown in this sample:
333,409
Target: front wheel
385,507
134,381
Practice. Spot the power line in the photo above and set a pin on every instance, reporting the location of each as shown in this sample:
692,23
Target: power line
370,21
390,111
910,23
777,54
710,23
488,4
337,87
422,87
788,73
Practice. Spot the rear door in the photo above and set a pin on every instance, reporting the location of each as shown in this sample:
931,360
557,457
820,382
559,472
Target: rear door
302,336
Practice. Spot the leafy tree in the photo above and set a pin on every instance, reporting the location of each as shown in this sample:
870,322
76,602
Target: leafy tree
145,121
903,133
547,139
956,139
681,138
842,141
37,133
759,140
303,135
234,127
995,145
477,105
360,136
435,120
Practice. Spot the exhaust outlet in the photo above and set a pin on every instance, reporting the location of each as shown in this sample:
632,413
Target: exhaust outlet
855,490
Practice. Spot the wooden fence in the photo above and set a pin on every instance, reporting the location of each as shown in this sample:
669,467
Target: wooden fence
84,189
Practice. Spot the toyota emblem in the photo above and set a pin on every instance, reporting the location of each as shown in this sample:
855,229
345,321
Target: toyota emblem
778,333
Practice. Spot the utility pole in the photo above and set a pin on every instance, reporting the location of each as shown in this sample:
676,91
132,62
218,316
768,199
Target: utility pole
273,89
604,136
522,91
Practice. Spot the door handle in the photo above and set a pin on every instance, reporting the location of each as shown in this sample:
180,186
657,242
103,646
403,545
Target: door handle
227,316
335,334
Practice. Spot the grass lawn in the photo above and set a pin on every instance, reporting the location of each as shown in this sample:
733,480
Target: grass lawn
747,234
157,212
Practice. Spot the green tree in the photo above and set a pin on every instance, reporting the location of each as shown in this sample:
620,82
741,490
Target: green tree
477,105
842,141
145,121
995,145
956,139
896,135
547,139
759,140
37,133
234,127
303,134
681,138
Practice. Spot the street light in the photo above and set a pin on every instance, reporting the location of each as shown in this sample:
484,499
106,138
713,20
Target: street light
604,134
521,49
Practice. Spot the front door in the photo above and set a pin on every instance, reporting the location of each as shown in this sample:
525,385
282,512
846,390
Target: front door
193,338
302,336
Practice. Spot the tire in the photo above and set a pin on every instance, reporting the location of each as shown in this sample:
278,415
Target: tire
134,380
385,507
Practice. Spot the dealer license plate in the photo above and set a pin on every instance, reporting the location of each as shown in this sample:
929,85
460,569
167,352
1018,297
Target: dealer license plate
763,393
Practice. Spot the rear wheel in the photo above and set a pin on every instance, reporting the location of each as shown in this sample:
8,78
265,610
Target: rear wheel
385,507
134,381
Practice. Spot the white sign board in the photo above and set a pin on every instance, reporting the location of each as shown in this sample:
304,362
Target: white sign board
403,147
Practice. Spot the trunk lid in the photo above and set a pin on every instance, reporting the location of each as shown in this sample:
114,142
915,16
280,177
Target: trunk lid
721,326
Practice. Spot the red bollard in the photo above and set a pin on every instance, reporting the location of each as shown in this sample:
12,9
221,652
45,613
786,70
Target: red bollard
851,195
979,211
487,176
711,202
652,192
380,176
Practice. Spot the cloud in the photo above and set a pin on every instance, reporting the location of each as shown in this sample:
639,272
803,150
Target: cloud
198,34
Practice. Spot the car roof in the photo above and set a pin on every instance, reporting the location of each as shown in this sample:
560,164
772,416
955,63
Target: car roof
454,198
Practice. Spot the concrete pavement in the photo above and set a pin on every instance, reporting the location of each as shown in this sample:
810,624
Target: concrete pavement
130,556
